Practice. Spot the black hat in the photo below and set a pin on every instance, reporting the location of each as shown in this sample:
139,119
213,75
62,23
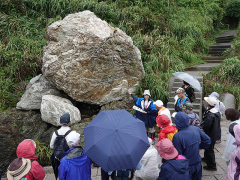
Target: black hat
65,119
231,129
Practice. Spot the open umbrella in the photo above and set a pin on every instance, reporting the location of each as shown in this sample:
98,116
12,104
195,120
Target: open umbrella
115,140
190,79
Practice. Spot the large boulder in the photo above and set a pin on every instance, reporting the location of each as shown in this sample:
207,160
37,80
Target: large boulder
90,60
37,87
53,107
228,100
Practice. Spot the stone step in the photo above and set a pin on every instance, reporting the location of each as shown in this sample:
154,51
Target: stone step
197,94
215,55
215,52
221,45
197,73
171,99
199,78
225,37
176,87
213,58
195,105
223,40
202,67
213,61
217,49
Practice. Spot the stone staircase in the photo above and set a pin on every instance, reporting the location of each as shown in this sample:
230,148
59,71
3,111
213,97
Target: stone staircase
196,104
215,52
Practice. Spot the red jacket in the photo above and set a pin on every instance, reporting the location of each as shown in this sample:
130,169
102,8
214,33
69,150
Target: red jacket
170,129
26,149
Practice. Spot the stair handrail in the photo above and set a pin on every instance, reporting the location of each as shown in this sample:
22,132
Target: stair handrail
224,24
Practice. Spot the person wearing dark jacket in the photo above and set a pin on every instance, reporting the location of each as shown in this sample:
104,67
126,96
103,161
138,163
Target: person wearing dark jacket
75,165
189,147
188,89
174,166
210,125
148,111
182,98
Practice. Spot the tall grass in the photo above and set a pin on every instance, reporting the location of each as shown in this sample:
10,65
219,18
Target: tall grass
170,34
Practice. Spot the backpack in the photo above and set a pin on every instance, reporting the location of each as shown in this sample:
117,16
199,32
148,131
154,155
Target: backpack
194,121
125,174
60,145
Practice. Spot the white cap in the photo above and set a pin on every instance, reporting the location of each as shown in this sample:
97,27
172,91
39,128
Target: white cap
211,100
214,94
72,138
159,103
146,92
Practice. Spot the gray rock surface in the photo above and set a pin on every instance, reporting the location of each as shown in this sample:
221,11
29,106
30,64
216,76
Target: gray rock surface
228,100
53,107
127,103
90,60
37,87
15,126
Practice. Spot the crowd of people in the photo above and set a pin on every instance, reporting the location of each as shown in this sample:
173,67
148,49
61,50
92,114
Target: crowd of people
176,155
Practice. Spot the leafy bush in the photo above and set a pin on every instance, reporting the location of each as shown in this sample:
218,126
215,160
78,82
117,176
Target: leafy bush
233,8
224,79
43,152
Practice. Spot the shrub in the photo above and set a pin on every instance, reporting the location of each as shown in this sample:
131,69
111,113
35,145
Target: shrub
224,79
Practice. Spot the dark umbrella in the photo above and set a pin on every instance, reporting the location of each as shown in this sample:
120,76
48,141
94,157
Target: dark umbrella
115,140
55,163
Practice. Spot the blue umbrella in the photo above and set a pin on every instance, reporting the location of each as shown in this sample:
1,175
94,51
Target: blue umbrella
115,140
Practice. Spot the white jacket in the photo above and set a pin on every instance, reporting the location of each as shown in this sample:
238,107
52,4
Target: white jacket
220,107
150,161
229,144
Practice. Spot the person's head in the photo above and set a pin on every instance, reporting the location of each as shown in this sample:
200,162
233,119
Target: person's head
18,168
65,119
73,139
181,120
214,94
187,107
26,149
162,120
181,93
210,101
158,104
146,94
232,114
185,83
166,149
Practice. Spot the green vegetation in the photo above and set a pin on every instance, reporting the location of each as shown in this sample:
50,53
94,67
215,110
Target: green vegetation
43,152
170,34
225,78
